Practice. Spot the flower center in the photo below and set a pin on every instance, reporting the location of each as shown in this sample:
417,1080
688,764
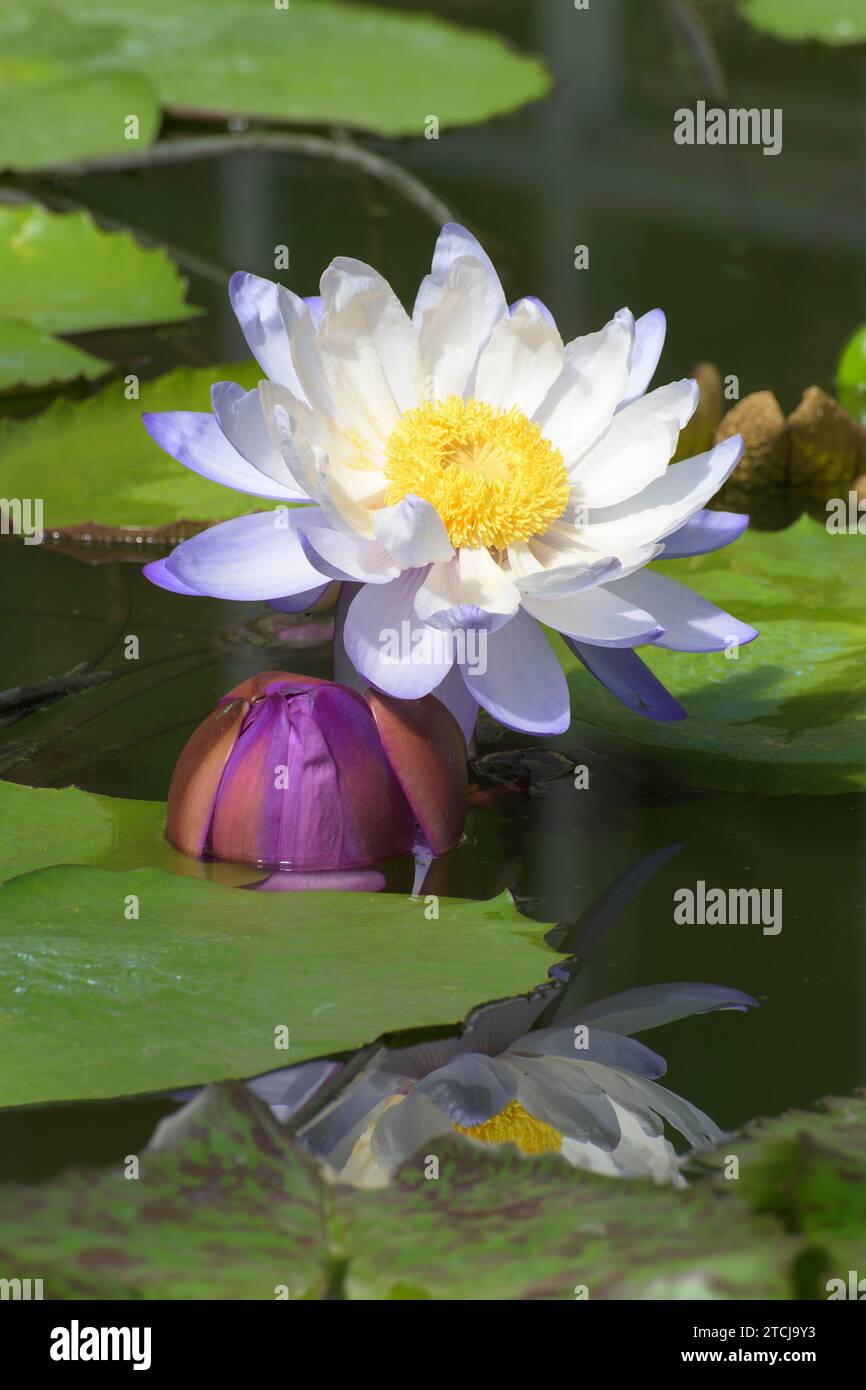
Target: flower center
514,1125
490,473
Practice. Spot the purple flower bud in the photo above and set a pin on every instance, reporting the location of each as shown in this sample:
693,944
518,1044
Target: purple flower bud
296,772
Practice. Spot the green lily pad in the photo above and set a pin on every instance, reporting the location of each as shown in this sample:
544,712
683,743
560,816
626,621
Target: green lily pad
74,118
30,357
63,274
193,988
43,827
789,713
455,1237
831,21
93,460
806,1169
307,62
225,1206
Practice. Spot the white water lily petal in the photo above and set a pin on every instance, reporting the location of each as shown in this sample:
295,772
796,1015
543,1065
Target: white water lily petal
637,1155
346,557
452,597
649,339
648,1100
470,1090
521,684
389,645
456,326
560,580
650,1006
367,340
280,411
668,502
636,449
484,583
413,531
561,1095
349,496
598,616
250,557
195,439
405,1128
452,243
691,623
522,360
258,305
581,403
241,418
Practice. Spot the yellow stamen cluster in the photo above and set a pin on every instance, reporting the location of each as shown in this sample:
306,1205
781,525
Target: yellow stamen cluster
489,472
514,1125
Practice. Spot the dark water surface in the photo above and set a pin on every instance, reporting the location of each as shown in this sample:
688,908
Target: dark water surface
760,265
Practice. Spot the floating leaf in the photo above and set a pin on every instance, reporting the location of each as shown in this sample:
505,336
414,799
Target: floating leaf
74,118
93,461
225,1206
806,1169
192,988
831,21
309,62
62,273
789,713
457,1239
44,827
230,1209
30,357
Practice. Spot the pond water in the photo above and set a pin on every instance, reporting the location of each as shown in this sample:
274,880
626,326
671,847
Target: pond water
760,265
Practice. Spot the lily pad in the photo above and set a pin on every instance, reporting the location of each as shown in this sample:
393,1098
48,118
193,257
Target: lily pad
30,357
195,987
72,118
456,1239
93,461
831,21
786,713
43,827
307,62
63,274
806,1169
225,1206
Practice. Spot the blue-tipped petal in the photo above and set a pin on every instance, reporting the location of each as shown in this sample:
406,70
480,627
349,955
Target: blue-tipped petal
195,439
159,574
621,671
249,557
707,531
690,622
650,1006
533,299
470,1090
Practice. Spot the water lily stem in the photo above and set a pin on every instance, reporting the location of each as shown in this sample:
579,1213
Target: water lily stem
344,151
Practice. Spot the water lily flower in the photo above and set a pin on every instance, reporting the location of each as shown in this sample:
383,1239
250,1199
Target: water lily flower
479,479
293,771
581,1086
